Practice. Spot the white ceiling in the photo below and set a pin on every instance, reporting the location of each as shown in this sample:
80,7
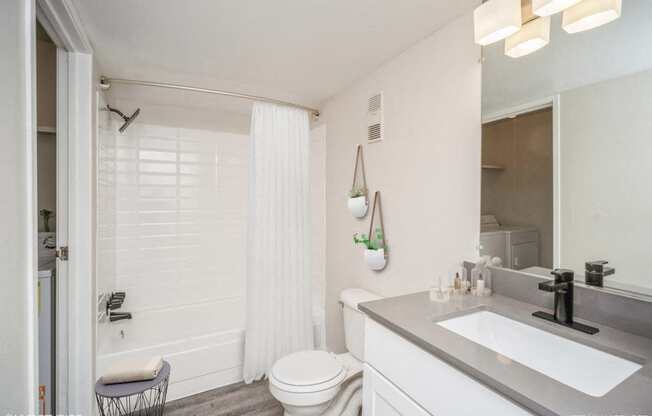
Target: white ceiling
298,50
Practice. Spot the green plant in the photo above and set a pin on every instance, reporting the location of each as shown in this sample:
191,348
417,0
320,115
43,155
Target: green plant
357,192
46,214
375,243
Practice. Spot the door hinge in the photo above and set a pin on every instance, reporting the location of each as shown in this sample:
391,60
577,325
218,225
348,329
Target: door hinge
62,253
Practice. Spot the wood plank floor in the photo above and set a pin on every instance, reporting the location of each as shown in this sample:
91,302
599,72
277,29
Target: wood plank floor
235,400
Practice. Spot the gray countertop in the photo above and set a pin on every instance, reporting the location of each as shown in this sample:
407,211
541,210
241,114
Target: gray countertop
414,316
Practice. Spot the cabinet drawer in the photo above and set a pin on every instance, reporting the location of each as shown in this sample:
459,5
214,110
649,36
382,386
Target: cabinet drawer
436,386
382,398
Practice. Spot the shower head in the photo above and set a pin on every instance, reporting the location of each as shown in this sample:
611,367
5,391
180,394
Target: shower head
128,119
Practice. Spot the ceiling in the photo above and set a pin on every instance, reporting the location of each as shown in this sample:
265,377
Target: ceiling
303,51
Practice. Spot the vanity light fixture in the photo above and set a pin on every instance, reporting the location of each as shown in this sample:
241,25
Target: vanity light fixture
550,7
589,14
495,20
525,24
534,35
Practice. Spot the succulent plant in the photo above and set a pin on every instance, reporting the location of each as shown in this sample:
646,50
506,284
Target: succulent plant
375,243
357,191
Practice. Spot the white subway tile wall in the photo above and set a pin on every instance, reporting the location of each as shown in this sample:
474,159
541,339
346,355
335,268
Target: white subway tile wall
172,209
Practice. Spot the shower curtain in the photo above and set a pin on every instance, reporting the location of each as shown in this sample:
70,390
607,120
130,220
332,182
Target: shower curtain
279,289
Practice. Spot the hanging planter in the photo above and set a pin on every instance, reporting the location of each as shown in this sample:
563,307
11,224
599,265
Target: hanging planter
358,201
375,259
375,254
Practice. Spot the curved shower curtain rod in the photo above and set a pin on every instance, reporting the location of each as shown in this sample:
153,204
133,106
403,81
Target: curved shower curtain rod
107,81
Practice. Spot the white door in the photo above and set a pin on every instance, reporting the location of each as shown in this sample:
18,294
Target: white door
61,293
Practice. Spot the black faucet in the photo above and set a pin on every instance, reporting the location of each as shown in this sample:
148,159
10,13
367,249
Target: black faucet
563,288
595,272
114,302
119,316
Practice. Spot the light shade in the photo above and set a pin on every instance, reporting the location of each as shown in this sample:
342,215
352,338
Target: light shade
495,20
550,7
533,36
590,14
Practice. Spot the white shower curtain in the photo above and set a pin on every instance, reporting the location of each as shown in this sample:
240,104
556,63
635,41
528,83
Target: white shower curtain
279,293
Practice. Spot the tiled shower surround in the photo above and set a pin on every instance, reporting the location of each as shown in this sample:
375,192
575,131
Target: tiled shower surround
172,207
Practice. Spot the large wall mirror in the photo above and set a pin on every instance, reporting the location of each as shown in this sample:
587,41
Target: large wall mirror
567,151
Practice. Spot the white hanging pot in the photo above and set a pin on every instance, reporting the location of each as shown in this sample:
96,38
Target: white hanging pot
375,259
358,206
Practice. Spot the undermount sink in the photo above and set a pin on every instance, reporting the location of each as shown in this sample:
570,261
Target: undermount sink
583,368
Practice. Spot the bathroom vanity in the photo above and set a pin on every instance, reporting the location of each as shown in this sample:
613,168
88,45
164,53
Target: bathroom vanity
490,356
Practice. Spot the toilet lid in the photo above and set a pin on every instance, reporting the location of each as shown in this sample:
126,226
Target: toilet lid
308,368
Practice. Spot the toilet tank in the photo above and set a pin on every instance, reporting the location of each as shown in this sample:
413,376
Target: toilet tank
354,319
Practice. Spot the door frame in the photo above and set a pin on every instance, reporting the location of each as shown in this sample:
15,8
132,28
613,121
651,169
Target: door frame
75,309
553,102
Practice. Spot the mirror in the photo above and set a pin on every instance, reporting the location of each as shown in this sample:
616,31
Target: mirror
567,152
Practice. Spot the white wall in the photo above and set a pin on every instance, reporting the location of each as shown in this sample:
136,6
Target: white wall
181,109
606,168
17,210
569,61
427,168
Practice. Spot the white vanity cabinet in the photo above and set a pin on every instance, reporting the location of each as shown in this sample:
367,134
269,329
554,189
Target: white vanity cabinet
402,379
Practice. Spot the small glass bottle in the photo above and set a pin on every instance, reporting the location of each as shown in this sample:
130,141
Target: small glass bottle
457,284
439,293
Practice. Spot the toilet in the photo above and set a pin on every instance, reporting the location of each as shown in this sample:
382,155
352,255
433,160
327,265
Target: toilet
321,383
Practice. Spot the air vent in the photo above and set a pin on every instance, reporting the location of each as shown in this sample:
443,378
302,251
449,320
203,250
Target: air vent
375,132
375,128
375,103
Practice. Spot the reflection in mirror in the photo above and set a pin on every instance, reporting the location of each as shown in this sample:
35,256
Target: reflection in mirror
567,152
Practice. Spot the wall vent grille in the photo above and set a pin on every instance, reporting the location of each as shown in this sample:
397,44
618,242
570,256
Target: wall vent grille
375,103
375,127
375,132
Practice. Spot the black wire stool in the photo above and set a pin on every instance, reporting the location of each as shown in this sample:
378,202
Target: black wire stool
140,398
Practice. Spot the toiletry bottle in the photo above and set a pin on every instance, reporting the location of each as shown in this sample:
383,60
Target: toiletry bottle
466,284
479,285
474,276
457,283
487,282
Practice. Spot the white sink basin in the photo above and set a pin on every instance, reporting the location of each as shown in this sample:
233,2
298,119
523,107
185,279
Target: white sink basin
583,368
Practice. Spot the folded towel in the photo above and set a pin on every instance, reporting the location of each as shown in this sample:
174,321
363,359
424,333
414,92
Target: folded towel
126,371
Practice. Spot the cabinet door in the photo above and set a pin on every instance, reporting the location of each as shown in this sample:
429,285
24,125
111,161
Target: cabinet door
525,255
382,398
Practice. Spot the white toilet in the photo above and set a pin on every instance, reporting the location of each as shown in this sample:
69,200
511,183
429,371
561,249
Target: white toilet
313,382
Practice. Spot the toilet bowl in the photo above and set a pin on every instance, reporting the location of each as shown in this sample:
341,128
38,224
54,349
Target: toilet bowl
311,383
306,382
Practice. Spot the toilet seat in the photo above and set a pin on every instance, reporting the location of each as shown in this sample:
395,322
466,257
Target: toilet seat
307,372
